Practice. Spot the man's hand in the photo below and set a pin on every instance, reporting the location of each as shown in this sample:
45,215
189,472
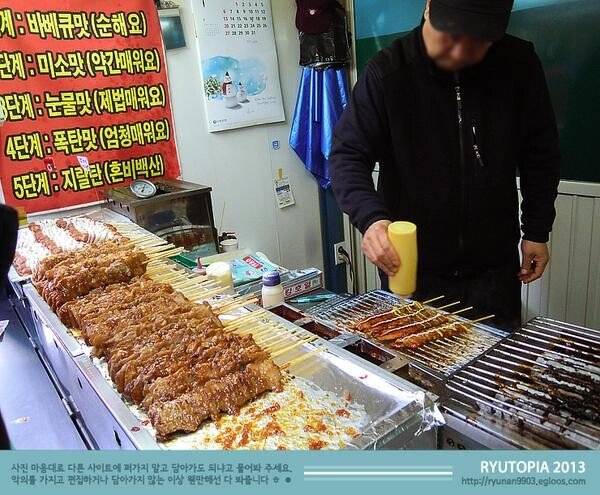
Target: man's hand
376,246
535,259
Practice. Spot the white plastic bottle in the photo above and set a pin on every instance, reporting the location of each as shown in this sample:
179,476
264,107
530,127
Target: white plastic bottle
272,290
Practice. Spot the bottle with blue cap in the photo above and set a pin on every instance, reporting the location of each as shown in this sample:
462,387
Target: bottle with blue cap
272,290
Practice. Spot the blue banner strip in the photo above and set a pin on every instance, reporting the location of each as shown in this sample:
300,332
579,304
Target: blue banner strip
464,472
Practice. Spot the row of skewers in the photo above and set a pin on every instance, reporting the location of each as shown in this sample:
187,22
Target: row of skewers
40,239
414,324
166,350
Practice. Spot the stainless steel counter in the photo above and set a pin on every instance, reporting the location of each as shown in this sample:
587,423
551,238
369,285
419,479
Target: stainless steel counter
33,411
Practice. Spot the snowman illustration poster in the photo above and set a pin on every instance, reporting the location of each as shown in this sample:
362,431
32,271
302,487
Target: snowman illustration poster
240,74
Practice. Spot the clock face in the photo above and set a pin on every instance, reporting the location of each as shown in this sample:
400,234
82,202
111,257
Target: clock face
143,188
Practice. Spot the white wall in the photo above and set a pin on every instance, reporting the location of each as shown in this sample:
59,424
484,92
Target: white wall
239,164
569,290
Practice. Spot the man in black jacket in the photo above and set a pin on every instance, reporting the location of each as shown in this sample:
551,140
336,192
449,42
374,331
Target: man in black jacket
451,112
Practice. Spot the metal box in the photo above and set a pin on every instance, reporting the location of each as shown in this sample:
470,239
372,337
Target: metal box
180,212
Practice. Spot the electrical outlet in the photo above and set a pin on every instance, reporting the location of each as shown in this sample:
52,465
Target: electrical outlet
336,254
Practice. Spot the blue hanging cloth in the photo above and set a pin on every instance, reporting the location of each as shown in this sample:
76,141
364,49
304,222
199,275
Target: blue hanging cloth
322,97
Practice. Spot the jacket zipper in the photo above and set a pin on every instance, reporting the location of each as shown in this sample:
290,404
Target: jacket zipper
476,149
459,114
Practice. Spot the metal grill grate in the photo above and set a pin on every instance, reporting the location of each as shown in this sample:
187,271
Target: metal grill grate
543,381
444,355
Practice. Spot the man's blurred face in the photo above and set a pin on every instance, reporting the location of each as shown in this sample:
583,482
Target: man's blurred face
452,52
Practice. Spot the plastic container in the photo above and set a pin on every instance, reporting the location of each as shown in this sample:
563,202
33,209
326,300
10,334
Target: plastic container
272,290
221,272
403,237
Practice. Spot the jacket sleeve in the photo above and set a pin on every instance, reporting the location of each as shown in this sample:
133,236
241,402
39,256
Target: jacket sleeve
540,162
9,225
359,135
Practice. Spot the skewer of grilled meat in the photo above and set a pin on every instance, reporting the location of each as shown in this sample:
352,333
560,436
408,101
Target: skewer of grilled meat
435,333
421,322
187,412
66,282
368,324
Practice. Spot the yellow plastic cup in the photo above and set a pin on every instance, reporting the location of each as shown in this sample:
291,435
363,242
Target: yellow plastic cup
403,237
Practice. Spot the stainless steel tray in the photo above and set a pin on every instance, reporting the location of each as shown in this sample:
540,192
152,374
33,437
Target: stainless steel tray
398,410
431,363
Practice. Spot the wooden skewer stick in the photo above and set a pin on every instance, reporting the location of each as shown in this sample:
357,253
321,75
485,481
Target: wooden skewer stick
273,341
278,336
159,266
184,279
449,305
249,325
158,275
237,328
171,279
169,275
238,299
237,324
140,239
488,317
222,303
228,300
156,249
208,283
196,280
168,280
432,300
277,329
261,334
193,294
293,346
165,254
152,248
248,316
186,283
209,294
256,334
284,344
461,310
234,305
152,263
299,359
212,290
245,329
274,346
255,329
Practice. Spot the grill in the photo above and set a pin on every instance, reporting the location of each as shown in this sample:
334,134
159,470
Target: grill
444,356
539,387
